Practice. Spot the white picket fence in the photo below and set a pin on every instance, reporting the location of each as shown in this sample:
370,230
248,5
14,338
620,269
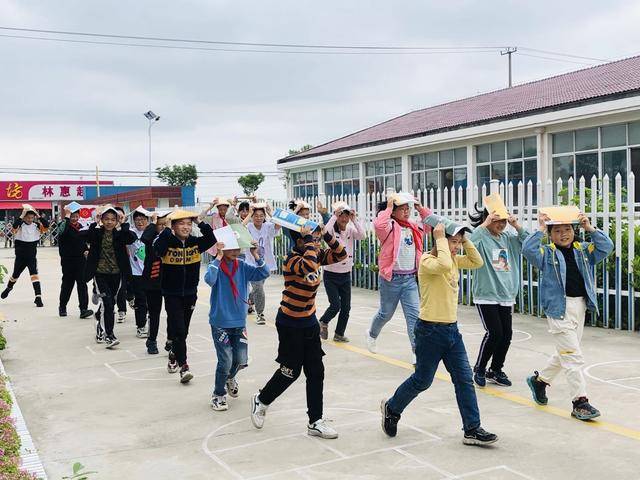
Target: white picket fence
611,209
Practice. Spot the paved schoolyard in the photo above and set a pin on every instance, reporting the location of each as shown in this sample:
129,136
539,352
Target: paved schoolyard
120,413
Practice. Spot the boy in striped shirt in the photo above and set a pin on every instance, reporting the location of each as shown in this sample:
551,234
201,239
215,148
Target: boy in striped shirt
298,329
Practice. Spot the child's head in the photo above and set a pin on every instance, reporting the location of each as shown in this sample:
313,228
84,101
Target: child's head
562,235
344,217
298,239
258,217
495,228
401,212
300,208
29,218
109,220
231,255
161,223
182,227
140,220
243,210
454,241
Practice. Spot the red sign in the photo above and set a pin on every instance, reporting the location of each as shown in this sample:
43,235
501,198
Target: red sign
52,190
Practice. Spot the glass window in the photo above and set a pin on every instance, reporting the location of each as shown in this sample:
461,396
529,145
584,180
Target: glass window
431,179
446,178
497,151
417,180
446,158
460,155
337,173
387,174
613,163
498,171
398,181
417,162
431,160
586,166
482,153
531,173
634,133
483,177
398,165
514,149
380,167
614,136
514,173
389,166
460,178
635,168
563,142
562,168
586,139
328,174
530,147
370,169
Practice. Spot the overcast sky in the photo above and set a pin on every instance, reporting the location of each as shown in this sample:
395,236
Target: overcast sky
69,105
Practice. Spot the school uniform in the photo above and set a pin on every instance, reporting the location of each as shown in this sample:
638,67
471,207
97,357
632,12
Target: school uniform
151,279
72,245
136,284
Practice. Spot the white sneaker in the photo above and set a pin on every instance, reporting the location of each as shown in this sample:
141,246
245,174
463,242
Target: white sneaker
371,343
260,319
121,317
142,332
232,387
258,411
219,404
321,429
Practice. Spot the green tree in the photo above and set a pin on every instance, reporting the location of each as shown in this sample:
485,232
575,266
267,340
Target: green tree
178,175
250,182
304,148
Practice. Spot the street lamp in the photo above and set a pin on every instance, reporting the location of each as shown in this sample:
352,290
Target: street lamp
153,118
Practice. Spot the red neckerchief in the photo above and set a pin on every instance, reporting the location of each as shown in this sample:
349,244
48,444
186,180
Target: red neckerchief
76,226
224,221
230,275
417,234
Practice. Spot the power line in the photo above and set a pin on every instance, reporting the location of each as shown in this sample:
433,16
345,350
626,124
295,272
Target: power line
564,54
554,59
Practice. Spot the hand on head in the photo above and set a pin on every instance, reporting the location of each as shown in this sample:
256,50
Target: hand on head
439,232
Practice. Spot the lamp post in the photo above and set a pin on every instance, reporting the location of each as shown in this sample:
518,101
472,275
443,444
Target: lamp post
153,118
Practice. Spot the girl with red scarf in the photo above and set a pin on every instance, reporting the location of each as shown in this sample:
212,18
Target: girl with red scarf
401,241
229,278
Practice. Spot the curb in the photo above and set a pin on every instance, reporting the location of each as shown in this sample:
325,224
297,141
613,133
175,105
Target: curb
28,454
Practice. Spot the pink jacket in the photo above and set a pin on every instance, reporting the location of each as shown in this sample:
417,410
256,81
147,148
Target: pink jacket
388,232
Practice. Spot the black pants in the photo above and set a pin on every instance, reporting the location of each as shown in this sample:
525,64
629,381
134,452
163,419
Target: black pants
338,287
73,274
136,288
107,285
121,299
154,305
497,322
26,260
298,349
179,311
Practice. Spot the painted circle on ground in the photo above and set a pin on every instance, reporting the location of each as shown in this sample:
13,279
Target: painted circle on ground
615,381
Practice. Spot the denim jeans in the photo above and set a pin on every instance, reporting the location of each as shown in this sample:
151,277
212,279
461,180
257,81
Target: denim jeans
231,347
403,289
435,342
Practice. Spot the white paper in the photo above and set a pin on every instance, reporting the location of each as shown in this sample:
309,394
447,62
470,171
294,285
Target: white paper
227,236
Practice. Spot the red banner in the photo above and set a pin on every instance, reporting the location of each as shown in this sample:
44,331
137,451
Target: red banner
47,190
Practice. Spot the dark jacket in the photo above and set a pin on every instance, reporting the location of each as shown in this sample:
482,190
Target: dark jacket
181,260
121,238
152,262
72,242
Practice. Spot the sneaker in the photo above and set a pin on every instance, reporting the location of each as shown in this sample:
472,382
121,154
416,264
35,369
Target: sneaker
152,347
168,345
86,313
219,404
250,310
340,338
583,410
324,330
172,366
111,341
142,332
498,377
62,311
479,436
258,411
38,302
371,343
479,377
232,387
5,293
121,317
132,303
389,419
99,333
185,374
321,429
538,389
260,319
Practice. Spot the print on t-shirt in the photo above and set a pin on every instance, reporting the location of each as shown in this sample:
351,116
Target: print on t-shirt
500,260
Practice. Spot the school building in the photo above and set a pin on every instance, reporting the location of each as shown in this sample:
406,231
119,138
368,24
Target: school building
579,124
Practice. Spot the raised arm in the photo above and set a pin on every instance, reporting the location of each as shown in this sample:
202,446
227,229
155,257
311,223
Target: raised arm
308,262
533,250
161,243
471,259
336,252
211,275
208,239
439,264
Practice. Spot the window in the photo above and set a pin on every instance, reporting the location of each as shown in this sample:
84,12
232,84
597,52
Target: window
305,184
383,174
343,180
433,170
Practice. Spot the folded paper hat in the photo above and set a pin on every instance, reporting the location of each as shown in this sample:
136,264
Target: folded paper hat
107,208
162,213
494,204
221,201
180,214
450,227
402,198
26,208
259,206
141,210
561,215
341,207
73,207
301,205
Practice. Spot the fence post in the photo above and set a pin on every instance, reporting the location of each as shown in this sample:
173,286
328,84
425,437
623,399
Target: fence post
493,186
605,273
631,252
618,266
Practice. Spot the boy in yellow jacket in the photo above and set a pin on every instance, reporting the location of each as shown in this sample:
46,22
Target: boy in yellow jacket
437,335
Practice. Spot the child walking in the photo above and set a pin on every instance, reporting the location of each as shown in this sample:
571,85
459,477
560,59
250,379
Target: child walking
229,278
437,335
137,281
26,231
108,263
299,344
495,287
181,252
567,291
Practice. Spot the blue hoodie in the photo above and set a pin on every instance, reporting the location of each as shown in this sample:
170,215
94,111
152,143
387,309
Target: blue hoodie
225,311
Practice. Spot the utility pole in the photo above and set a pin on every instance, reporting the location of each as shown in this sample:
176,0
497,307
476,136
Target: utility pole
153,118
97,182
509,51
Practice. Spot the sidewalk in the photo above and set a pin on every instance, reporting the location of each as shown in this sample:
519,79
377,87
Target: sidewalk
121,414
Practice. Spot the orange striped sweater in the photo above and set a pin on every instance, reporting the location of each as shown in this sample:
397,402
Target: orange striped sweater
302,278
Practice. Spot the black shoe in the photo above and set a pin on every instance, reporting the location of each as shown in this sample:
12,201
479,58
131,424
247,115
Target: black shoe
168,345
111,341
479,377
538,389
38,302
86,313
5,293
62,311
152,347
583,410
498,377
389,419
479,436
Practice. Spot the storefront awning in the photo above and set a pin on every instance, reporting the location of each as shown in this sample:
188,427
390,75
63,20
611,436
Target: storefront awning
18,205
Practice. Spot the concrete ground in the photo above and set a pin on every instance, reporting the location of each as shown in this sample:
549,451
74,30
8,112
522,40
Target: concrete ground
121,414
